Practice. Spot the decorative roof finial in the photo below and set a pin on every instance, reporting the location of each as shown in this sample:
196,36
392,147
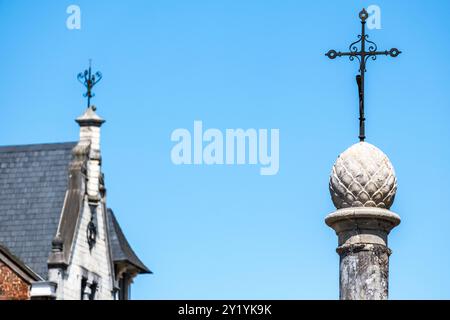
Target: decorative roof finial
362,55
89,80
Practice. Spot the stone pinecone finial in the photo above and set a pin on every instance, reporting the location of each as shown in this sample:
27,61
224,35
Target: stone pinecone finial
363,176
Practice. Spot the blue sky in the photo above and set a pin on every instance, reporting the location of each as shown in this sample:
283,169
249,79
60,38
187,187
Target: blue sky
211,232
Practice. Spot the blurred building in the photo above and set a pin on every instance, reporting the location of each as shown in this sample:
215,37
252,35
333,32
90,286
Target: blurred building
58,238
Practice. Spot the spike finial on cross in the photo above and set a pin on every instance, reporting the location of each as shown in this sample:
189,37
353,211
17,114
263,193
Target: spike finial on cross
362,55
89,80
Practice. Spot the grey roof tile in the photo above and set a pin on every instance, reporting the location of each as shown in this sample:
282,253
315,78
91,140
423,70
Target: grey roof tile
33,182
120,248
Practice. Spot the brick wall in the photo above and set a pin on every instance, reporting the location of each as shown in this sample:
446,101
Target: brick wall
12,287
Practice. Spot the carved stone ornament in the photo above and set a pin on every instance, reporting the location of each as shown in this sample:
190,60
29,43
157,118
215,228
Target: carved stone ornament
363,176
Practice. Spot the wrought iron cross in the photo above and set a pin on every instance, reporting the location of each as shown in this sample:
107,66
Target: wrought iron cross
362,55
89,80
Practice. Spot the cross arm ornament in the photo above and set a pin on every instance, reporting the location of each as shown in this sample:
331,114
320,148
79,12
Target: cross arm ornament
362,55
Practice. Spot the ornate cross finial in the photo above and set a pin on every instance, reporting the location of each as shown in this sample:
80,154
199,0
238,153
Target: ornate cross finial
362,55
89,80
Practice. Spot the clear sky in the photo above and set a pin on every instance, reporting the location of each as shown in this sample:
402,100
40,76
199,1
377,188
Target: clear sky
226,231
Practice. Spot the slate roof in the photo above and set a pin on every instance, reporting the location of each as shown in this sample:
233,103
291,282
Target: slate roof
120,248
33,182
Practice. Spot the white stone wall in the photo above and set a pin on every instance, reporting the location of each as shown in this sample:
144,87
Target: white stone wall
93,177
85,262
91,134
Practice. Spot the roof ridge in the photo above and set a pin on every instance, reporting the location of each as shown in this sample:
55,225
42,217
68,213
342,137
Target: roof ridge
38,146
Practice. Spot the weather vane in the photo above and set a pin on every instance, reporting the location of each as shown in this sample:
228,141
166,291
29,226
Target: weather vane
362,55
89,80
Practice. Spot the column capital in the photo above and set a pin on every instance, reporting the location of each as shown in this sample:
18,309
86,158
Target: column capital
90,118
362,225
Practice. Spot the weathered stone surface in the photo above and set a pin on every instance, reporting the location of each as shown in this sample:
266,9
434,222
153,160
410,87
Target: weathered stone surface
363,176
362,247
364,272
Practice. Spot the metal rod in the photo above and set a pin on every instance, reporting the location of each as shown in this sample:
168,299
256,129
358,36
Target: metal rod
362,69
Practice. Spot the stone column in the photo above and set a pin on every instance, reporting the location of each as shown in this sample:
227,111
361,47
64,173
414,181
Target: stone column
363,250
90,124
363,186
